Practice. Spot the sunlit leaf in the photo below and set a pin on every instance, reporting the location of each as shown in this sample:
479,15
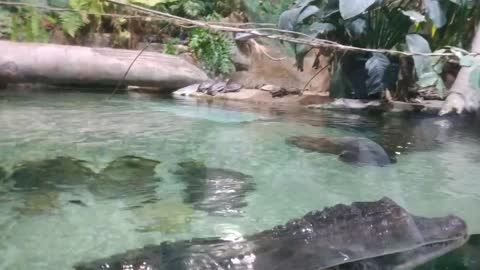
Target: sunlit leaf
307,12
415,16
288,19
71,22
356,27
434,30
418,44
467,61
435,12
318,29
440,86
352,8
428,79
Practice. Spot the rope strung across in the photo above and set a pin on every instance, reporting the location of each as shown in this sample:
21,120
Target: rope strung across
266,32
274,33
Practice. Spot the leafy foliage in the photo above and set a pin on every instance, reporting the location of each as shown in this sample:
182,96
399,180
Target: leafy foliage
27,25
71,22
192,8
213,50
170,46
265,11
383,24
5,23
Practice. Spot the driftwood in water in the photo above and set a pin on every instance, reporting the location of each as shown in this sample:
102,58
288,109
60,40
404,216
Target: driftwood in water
58,64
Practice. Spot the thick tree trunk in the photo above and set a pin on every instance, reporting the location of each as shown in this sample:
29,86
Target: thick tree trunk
57,64
463,98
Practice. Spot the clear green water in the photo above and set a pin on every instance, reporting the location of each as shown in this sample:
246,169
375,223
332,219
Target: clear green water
436,173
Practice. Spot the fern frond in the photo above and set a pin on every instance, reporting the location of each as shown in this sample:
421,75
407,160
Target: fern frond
71,22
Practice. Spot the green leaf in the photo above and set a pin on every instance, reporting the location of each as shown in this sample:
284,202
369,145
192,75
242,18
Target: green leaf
5,23
377,67
467,61
356,27
436,13
328,8
475,77
458,52
193,8
415,16
428,79
319,29
352,8
418,44
440,87
71,22
307,12
288,19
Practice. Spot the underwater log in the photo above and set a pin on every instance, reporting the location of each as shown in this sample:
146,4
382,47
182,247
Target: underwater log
60,64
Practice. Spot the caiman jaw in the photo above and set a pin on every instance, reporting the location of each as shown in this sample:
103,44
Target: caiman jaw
429,252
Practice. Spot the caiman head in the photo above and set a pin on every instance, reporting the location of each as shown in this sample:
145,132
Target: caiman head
440,236
378,235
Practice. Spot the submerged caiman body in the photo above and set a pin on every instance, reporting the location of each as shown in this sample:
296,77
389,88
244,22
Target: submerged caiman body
363,235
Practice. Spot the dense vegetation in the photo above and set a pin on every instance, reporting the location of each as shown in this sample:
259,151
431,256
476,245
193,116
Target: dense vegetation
404,25
416,26
83,21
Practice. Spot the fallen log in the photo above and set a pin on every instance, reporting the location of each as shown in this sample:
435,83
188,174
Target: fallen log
58,64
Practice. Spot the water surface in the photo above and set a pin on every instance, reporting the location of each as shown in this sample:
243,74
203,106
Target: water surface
436,171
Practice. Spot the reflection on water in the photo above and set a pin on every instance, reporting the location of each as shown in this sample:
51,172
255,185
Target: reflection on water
89,178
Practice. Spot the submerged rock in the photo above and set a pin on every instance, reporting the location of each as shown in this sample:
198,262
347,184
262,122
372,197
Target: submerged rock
163,216
51,174
214,190
363,235
39,203
356,150
3,173
41,182
125,175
